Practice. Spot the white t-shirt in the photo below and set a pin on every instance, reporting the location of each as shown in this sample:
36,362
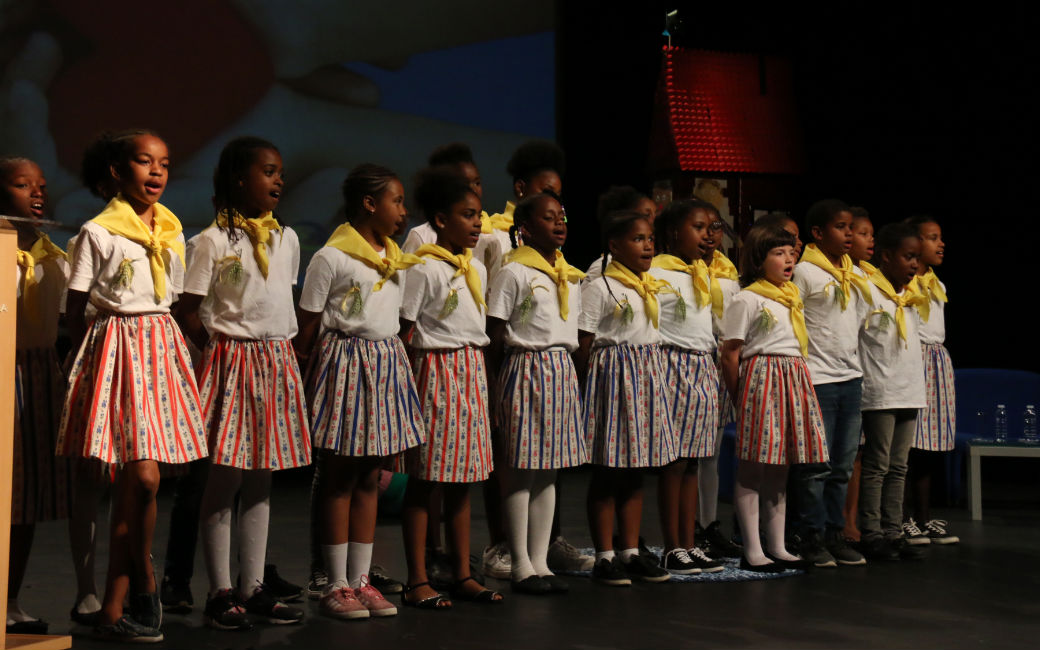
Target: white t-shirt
596,268
695,331
41,331
426,289
893,372
764,325
330,277
95,269
934,331
491,250
601,315
833,332
543,327
419,235
251,307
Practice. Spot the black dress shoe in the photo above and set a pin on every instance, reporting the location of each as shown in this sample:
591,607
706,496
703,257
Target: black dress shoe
534,585
556,583
772,567
800,564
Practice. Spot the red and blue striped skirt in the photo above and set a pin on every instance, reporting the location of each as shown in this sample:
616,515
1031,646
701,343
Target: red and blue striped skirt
132,394
936,424
693,383
253,404
628,421
778,417
538,414
363,400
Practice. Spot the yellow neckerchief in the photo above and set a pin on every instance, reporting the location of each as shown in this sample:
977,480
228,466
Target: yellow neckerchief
845,274
910,298
486,228
720,267
646,285
43,248
701,280
561,273
868,268
928,285
502,220
259,232
347,239
461,262
120,219
788,296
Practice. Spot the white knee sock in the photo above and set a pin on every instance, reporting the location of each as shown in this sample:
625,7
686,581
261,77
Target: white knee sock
254,514
540,517
215,520
746,503
359,561
774,508
335,557
517,503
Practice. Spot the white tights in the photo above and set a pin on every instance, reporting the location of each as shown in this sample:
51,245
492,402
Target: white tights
761,487
529,503
254,512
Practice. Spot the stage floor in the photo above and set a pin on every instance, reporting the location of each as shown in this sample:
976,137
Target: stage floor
983,592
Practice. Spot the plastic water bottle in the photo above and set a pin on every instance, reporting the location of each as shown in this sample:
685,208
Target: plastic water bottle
1029,433
1000,429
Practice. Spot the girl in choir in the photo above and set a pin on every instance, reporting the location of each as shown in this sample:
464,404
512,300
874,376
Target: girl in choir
615,199
893,393
533,308
364,408
132,399
628,423
934,435
443,310
778,418
458,156
40,481
688,347
237,308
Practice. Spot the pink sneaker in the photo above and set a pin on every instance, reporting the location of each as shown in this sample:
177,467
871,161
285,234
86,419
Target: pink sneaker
340,602
373,600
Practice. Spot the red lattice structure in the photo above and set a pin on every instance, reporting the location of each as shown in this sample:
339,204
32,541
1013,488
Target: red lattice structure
726,112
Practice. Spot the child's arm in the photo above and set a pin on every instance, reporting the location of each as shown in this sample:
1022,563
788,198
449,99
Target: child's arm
496,328
76,318
186,313
730,359
581,355
309,322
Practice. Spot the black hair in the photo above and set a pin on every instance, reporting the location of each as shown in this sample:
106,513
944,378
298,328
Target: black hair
94,168
367,179
235,159
821,213
121,145
892,236
919,220
672,216
774,220
454,153
535,156
524,211
612,226
616,198
439,188
761,239
858,212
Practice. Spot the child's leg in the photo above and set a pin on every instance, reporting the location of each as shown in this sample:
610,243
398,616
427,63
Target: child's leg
317,486
21,544
921,465
629,505
851,532
254,515
892,489
688,498
433,519
457,514
600,507
708,485
364,509
542,509
879,428
517,504
414,519
746,502
133,524
339,477
215,516
494,490
179,563
669,486
83,532
773,496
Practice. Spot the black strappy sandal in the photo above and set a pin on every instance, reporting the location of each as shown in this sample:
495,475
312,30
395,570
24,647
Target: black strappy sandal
485,595
438,601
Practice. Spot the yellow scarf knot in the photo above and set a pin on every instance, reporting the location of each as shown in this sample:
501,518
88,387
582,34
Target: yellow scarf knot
868,268
720,267
928,285
258,230
120,219
698,270
909,298
845,274
347,239
789,296
561,273
43,248
463,265
646,285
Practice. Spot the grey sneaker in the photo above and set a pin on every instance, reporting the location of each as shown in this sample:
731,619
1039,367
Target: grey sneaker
319,582
127,630
565,558
496,562
913,534
813,550
841,551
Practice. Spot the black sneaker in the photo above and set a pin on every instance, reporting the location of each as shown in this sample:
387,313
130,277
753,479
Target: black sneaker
225,611
907,551
678,561
264,605
913,534
703,562
813,551
127,630
879,548
937,533
610,572
385,584
719,544
279,587
641,567
841,551
146,609
317,584
176,596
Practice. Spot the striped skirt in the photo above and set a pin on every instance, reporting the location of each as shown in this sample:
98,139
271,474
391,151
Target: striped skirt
538,414
727,413
362,397
936,423
132,394
628,421
453,390
253,404
693,385
41,482
778,417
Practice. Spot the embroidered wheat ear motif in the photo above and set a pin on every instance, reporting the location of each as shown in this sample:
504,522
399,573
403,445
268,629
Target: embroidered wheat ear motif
357,301
528,304
839,294
766,321
680,306
125,275
885,320
451,303
624,309
232,271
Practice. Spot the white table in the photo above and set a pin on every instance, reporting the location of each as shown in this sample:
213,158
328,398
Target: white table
979,448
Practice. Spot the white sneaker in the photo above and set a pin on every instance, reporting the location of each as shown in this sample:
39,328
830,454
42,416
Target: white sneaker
496,562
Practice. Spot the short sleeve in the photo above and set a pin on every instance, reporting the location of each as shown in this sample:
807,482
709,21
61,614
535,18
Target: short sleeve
200,266
801,280
414,293
177,269
86,262
736,320
317,284
502,294
591,307
413,241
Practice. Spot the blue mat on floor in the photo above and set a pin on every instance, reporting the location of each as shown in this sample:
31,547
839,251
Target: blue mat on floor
732,572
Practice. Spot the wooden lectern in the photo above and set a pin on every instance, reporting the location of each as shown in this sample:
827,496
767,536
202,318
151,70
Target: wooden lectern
8,326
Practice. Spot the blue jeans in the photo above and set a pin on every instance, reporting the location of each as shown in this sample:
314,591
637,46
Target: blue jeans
822,486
